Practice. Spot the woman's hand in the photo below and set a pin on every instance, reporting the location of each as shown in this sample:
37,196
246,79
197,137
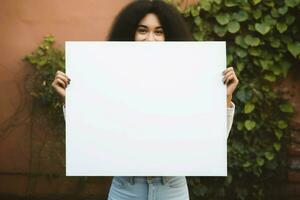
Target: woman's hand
231,81
60,83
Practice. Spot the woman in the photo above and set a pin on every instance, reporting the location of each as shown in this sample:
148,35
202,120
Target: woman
152,21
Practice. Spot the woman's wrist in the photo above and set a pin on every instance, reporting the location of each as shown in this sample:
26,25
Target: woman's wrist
229,98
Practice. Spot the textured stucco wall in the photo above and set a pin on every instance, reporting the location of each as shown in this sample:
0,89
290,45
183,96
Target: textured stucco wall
23,24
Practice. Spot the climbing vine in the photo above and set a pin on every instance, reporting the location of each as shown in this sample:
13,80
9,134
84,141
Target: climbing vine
46,60
263,43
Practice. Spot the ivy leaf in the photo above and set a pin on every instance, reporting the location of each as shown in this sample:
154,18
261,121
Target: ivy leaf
270,77
240,126
281,27
230,3
198,21
282,124
260,161
223,18
266,64
292,3
269,3
274,13
276,70
240,66
241,53
254,51
283,10
270,20
240,41
285,66
241,16
250,124
257,14
42,61
218,1
195,11
205,5
198,36
247,164
249,107
269,155
294,48
31,59
278,134
262,28
233,26
220,30
49,39
275,43
252,41
256,1
229,59
277,146
289,19
244,94
286,107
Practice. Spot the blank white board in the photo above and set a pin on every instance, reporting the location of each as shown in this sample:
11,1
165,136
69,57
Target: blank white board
146,109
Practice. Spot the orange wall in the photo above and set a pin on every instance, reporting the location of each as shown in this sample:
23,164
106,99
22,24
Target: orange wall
23,24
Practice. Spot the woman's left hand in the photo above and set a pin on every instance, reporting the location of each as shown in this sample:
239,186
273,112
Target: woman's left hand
231,80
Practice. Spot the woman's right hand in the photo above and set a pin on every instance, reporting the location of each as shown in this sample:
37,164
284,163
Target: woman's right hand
60,83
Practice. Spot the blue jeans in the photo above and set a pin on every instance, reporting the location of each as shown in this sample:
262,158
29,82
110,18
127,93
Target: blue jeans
148,188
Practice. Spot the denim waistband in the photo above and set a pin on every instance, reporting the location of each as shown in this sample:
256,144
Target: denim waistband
149,179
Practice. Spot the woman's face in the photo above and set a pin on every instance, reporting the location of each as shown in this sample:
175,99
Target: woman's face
149,29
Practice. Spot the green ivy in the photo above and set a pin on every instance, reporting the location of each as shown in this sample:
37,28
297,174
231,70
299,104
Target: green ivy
46,60
263,42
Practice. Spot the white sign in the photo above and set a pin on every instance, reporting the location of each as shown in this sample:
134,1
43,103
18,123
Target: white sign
146,109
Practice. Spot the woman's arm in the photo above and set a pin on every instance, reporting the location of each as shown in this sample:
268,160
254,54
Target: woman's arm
60,83
231,80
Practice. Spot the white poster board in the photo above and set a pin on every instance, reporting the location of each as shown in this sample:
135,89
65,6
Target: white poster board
146,109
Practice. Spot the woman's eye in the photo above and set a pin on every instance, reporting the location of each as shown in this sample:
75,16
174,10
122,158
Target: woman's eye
159,32
142,31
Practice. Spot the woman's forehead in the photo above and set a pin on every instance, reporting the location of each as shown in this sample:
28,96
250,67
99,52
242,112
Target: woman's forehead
150,20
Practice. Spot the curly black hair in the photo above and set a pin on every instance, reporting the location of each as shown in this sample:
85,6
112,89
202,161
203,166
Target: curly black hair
174,26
